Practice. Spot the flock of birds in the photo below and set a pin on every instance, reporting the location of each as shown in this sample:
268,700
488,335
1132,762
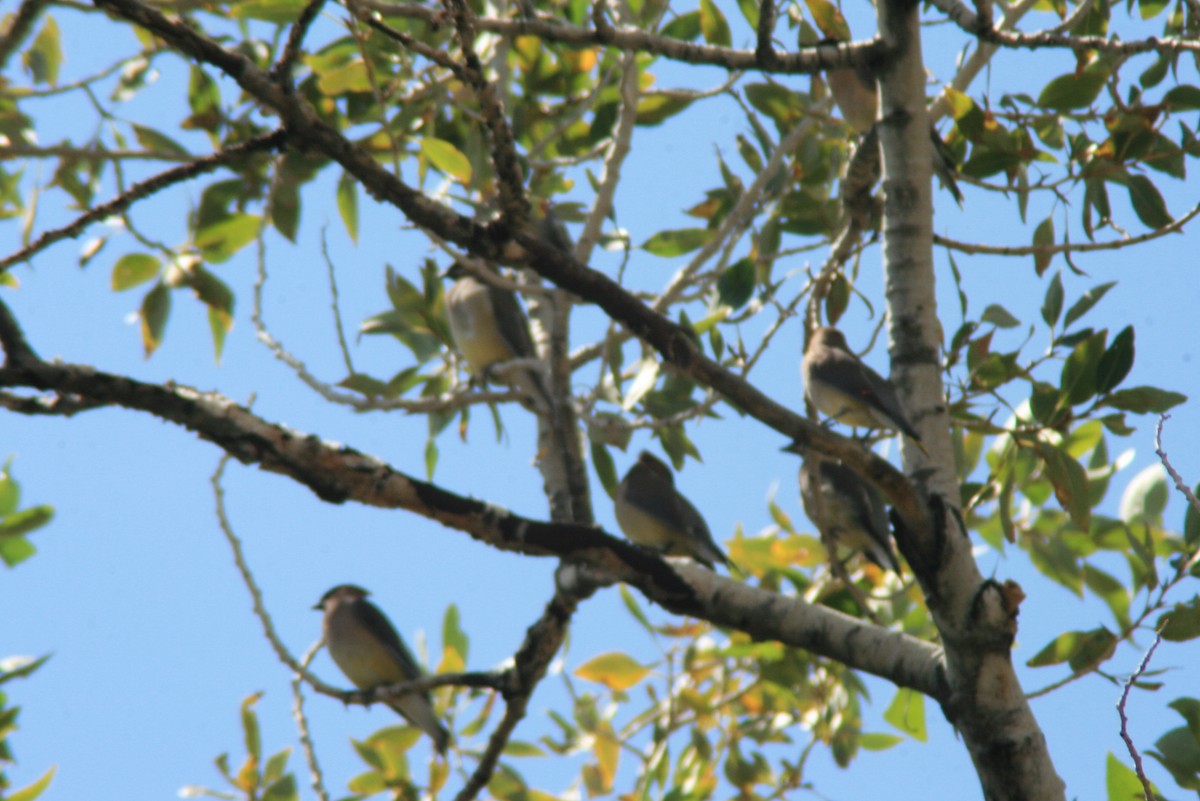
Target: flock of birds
490,329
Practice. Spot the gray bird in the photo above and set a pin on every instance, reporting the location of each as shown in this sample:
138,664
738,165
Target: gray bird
489,328
857,96
847,510
838,383
654,515
365,647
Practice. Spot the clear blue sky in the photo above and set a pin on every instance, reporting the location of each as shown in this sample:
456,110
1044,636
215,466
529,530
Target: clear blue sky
134,592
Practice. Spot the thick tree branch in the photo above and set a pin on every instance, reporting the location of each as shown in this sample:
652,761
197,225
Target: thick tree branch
818,58
533,251
975,618
338,474
982,28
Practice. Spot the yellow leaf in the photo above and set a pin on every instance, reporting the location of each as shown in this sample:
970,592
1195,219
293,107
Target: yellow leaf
447,158
615,671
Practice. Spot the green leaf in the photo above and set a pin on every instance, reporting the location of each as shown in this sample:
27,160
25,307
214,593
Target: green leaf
1191,522
347,203
631,604
1148,203
447,158
1070,484
1181,623
1053,302
453,637
829,19
250,731
15,550
779,103
282,789
655,108
1116,362
154,141
277,11
133,269
878,741
44,56
714,25
1144,400
519,748
220,240
156,308
19,667
676,242
1074,90
606,471
1082,649
1179,752
1078,379
1182,98
18,524
735,287
907,713
685,27
32,791
1145,497
1121,781
10,492
1043,236
1111,591
998,316
349,78
614,670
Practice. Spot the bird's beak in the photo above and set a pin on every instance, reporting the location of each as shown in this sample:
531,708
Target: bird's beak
794,447
319,607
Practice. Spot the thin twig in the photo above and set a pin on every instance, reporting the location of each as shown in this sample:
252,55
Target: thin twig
1084,247
143,189
1180,484
316,777
1133,752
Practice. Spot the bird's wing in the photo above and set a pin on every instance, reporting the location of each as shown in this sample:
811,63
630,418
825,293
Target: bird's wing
382,628
510,319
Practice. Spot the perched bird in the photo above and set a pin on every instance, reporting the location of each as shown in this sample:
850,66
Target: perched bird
847,510
366,648
654,515
853,90
841,386
489,328
856,94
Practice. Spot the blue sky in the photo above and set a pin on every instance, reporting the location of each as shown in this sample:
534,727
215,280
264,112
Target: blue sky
134,592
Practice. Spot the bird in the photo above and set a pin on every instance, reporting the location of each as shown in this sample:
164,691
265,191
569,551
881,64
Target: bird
838,383
654,515
366,648
853,90
846,510
857,96
489,328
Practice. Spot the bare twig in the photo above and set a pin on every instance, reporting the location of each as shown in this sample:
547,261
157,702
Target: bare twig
143,189
1180,484
282,71
1133,752
316,776
1083,247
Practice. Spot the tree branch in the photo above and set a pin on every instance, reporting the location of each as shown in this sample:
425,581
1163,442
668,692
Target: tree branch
817,58
143,189
971,22
337,474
